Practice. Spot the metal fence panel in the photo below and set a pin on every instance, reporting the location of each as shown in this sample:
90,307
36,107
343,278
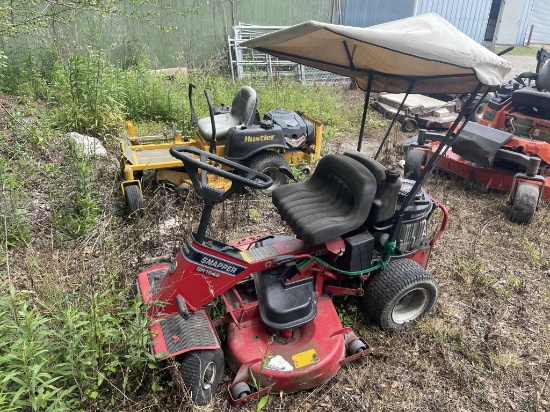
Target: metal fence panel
247,62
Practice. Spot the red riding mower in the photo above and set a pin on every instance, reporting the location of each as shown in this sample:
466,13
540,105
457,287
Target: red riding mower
360,230
509,150
283,330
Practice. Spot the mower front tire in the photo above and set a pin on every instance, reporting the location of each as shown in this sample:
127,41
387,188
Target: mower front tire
268,163
525,203
134,201
398,297
202,371
241,390
414,161
409,125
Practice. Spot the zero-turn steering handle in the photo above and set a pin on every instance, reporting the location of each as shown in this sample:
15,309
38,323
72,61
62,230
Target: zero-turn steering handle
245,175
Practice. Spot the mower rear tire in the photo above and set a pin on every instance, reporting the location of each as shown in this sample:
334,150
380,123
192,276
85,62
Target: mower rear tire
202,371
525,202
134,201
414,161
478,114
268,163
240,390
401,295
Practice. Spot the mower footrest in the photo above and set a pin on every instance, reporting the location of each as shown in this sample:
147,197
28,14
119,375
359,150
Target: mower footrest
174,335
479,144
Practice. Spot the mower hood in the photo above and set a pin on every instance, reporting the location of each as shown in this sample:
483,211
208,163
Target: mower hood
424,49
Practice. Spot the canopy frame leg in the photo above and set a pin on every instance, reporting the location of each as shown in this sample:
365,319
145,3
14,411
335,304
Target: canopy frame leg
411,85
365,110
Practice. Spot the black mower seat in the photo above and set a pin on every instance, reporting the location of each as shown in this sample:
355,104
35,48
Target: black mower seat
335,200
534,99
543,77
243,110
388,185
530,98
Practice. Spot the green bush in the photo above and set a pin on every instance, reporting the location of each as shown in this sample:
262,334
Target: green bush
74,194
58,354
93,101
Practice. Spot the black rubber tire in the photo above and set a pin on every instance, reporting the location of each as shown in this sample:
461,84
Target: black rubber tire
268,163
414,161
134,201
202,371
479,111
398,297
525,203
356,346
133,290
409,125
240,390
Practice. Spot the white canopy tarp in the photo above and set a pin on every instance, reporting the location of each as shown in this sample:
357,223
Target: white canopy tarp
426,49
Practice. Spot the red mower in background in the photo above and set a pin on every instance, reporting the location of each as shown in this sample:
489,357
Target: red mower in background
360,229
509,150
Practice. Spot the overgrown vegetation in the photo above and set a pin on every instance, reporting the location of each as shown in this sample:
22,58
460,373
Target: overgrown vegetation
70,339
59,350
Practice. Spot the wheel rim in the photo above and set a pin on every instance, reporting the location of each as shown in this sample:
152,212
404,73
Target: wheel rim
410,306
209,376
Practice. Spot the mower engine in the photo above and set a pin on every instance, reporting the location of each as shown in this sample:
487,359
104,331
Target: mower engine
413,233
280,129
297,131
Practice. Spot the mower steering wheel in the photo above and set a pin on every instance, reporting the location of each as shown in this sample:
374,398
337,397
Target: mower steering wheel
244,176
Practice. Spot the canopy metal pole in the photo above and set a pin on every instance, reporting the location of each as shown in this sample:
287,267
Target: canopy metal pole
434,159
365,109
411,85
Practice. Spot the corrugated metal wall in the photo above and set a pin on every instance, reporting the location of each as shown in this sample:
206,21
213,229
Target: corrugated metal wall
524,27
203,34
194,32
173,32
469,16
539,19
363,13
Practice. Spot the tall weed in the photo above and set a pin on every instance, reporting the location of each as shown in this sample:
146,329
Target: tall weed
74,194
93,103
64,354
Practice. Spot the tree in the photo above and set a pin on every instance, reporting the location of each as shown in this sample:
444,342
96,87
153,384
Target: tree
19,17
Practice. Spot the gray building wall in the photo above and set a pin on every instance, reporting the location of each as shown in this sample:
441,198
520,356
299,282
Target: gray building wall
524,27
539,19
363,13
469,16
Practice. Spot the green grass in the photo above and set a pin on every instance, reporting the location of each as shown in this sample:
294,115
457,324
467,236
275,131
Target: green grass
518,50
